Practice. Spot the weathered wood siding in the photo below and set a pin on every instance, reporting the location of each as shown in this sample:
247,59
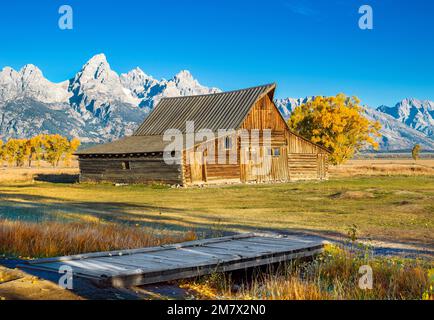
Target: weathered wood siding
265,116
212,171
141,170
298,159
304,159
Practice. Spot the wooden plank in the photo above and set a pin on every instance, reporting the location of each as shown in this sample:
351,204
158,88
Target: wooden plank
253,248
134,280
142,250
271,244
146,265
214,252
193,258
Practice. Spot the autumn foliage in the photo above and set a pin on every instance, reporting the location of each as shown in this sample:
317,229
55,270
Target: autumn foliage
336,123
51,148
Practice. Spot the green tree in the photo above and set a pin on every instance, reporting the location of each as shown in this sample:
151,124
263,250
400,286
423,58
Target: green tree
415,153
336,123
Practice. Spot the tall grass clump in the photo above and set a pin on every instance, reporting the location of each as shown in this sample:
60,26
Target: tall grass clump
333,275
48,239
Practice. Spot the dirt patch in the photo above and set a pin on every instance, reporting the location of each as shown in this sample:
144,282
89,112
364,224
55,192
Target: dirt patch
403,203
21,286
7,275
353,195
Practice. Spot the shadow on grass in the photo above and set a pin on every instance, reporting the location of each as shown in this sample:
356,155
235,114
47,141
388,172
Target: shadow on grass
57,178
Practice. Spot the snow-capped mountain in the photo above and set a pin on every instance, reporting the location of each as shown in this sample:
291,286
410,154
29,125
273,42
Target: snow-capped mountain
397,134
287,105
150,90
97,89
30,82
414,113
98,105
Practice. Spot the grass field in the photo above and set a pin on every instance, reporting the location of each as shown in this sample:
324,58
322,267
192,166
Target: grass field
398,208
383,167
383,200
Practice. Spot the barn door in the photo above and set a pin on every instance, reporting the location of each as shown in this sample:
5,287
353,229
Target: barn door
321,166
196,167
279,168
259,165
246,165
263,169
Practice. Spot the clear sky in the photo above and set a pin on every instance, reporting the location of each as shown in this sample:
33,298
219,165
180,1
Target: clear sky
308,47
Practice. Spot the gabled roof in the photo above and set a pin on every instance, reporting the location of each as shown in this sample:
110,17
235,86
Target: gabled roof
226,110
128,145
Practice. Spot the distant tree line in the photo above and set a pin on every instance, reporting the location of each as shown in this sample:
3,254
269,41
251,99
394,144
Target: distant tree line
44,147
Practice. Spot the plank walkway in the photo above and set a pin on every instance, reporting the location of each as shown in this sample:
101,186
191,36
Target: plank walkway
134,267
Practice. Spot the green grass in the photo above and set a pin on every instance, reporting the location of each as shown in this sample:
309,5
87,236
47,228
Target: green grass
394,208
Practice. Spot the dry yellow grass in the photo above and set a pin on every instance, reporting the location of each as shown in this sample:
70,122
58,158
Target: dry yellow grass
332,275
357,167
50,239
383,167
25,174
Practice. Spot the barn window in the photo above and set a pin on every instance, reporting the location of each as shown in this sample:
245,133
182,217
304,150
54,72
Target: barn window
125,165
266,151
276,152
228,143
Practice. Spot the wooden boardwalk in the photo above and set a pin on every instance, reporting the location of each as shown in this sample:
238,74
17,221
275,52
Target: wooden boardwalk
183,260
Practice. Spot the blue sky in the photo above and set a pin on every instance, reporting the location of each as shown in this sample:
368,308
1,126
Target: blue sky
309,47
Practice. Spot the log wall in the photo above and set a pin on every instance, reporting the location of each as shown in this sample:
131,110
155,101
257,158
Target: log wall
141,170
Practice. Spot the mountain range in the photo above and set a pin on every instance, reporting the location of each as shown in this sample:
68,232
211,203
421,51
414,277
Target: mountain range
409,122
99,105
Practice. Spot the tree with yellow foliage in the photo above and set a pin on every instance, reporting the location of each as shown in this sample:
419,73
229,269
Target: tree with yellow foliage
336,123
415,152
16,151
55,146
73,145
36,149
1,153
51,148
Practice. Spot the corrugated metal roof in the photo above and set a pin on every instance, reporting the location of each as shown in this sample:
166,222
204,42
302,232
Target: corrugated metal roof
225,110
133,144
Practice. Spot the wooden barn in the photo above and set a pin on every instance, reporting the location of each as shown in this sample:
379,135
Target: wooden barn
253,129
